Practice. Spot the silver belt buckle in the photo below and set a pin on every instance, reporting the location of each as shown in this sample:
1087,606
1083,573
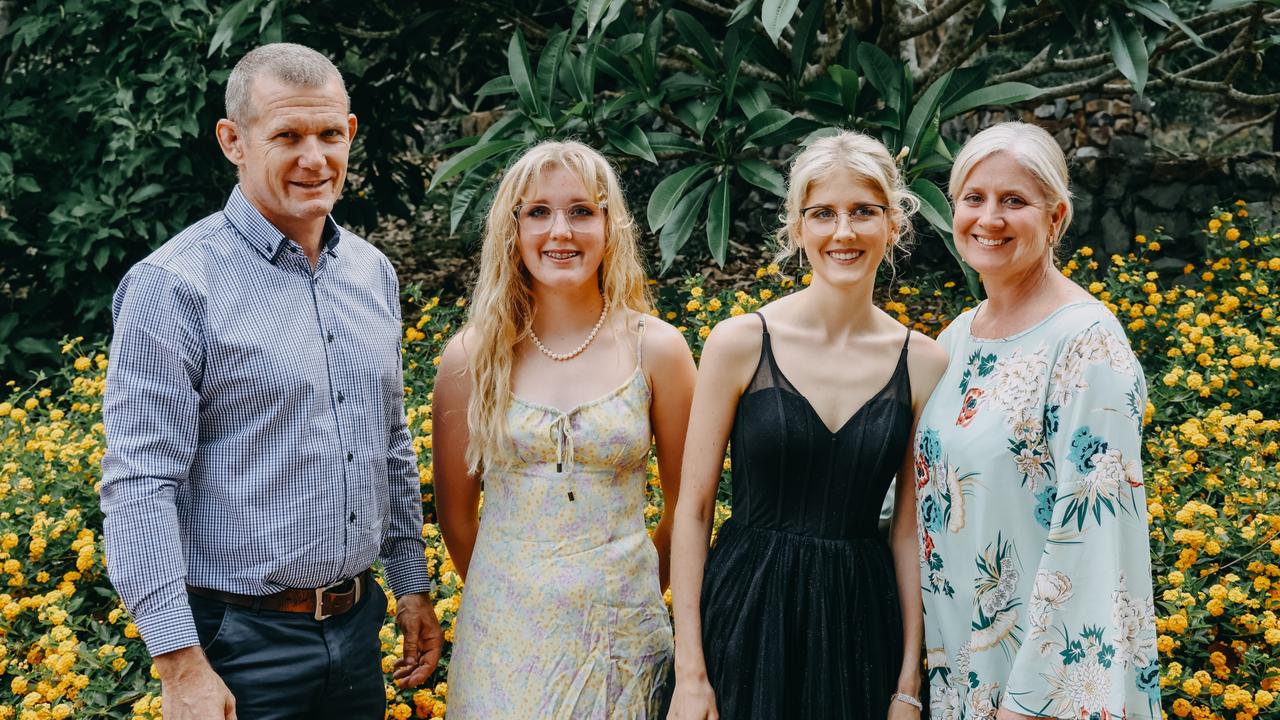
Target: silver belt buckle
320,615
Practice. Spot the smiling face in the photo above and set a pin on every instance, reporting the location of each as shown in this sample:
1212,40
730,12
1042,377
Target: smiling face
566,253
292,155
851,251
1003,224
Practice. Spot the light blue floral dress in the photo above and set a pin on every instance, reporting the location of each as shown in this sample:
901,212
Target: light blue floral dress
1034,557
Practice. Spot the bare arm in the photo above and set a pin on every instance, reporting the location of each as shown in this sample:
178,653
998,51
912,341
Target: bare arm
667,358
457,491
926,363
727,362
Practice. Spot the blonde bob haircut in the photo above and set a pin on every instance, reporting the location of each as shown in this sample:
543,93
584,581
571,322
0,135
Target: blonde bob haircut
1031,147
501,312
869,160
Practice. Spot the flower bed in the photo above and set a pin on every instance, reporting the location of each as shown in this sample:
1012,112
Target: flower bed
1208,343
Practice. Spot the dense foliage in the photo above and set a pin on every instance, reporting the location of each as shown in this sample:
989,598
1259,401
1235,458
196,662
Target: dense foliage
1208,341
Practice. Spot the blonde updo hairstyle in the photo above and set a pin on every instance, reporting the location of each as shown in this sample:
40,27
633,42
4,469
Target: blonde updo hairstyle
869,160
501,312
1031,147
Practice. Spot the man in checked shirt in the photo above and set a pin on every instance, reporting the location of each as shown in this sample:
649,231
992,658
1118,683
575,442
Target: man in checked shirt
258,459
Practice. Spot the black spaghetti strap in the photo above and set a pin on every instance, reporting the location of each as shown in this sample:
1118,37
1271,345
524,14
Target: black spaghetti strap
907,341
763,325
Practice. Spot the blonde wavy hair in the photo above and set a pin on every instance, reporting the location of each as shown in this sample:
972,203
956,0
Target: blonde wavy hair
501,313
865,157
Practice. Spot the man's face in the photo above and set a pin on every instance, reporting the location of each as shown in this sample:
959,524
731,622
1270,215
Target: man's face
292,154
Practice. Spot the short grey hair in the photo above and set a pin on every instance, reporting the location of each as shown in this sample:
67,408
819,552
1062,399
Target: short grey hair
297,65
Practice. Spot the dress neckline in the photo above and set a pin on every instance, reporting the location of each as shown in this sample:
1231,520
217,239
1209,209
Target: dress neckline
586,403
1027,330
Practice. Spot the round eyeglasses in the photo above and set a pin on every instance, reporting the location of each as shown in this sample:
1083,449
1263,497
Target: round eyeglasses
823,221
538,218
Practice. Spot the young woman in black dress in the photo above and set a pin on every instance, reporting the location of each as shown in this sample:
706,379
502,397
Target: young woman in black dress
796,612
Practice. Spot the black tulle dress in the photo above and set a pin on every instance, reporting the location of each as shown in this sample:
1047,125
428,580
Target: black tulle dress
800,610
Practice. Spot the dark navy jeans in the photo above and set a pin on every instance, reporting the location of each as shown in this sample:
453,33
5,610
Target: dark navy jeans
282,665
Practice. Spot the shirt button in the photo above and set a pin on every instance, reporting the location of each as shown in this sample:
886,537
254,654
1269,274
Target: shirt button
330,337
353,517
350,457
341,397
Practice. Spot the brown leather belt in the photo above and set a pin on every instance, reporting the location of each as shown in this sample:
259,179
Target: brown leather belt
321,603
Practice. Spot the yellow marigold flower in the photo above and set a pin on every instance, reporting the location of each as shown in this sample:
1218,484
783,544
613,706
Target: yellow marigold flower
696,291
1191,686
760,272
772,269
703,332
18,414
1232,234
1214,225
765,294
808,278
713,304
1086,251
82,363
693,306
131,631
736,310
1153,246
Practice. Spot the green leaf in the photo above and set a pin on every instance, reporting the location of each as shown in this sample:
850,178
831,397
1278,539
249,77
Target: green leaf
684,216
1163,15
847,80
765,122
695,36
471,157
795,128
1129,51
227,26
925,112
806,32
101,257
1007,93
935,208
719,218
884,74
665,142
632,142
33,346
670,191
700,111
521,74
146,192
500,85
595,10
776,16
549,66
762,175
462,199
997,8
27,183
743,10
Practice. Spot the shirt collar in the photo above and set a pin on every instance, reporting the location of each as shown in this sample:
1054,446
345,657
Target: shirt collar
265,237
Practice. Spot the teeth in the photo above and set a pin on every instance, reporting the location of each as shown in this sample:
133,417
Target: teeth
845,254
988,242
560,255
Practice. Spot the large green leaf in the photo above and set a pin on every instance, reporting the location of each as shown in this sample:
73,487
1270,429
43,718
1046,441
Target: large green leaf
796,127
462,199
1164,16
935,208
1007,93
776,16
884,74
684,217
743,10
696,36
719,218
765,122
227,26
806,33
669,192
471,157
632,141
846,79
549,66
997,8
500,85
522,75
762,175
665,142
925,112
1129,51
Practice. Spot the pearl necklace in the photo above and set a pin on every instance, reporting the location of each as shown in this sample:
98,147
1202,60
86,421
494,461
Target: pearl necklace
561,357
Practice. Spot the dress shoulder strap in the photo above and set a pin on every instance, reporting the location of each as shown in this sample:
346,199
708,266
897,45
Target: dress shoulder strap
640,340
763,325
906,342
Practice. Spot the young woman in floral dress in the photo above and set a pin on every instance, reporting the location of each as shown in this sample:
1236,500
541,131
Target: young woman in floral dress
551,395
1031,506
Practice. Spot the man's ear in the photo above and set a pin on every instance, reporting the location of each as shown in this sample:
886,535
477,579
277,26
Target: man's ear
351,128
231,141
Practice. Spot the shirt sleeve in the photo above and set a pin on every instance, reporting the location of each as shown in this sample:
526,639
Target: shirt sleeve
1090,637
151,414
402,552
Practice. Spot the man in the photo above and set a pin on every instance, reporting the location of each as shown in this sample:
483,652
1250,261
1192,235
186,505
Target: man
259,461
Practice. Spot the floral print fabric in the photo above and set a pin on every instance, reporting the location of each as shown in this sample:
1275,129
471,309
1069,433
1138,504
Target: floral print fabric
562,616
1032,520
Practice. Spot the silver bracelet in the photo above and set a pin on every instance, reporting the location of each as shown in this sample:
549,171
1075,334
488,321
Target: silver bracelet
903,697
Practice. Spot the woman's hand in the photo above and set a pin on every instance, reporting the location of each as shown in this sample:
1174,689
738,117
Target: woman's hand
693,700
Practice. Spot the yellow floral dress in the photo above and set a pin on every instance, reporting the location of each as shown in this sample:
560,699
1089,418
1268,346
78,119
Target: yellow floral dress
562,615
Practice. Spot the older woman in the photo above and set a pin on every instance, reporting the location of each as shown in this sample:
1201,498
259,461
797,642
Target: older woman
1029,490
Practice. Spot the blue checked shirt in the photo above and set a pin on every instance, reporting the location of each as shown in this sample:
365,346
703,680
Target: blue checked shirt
255,422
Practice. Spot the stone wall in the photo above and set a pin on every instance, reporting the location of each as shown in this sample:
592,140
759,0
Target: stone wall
1124,184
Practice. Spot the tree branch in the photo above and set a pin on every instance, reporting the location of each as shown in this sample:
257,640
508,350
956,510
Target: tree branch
1216,88
365,34
924,23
